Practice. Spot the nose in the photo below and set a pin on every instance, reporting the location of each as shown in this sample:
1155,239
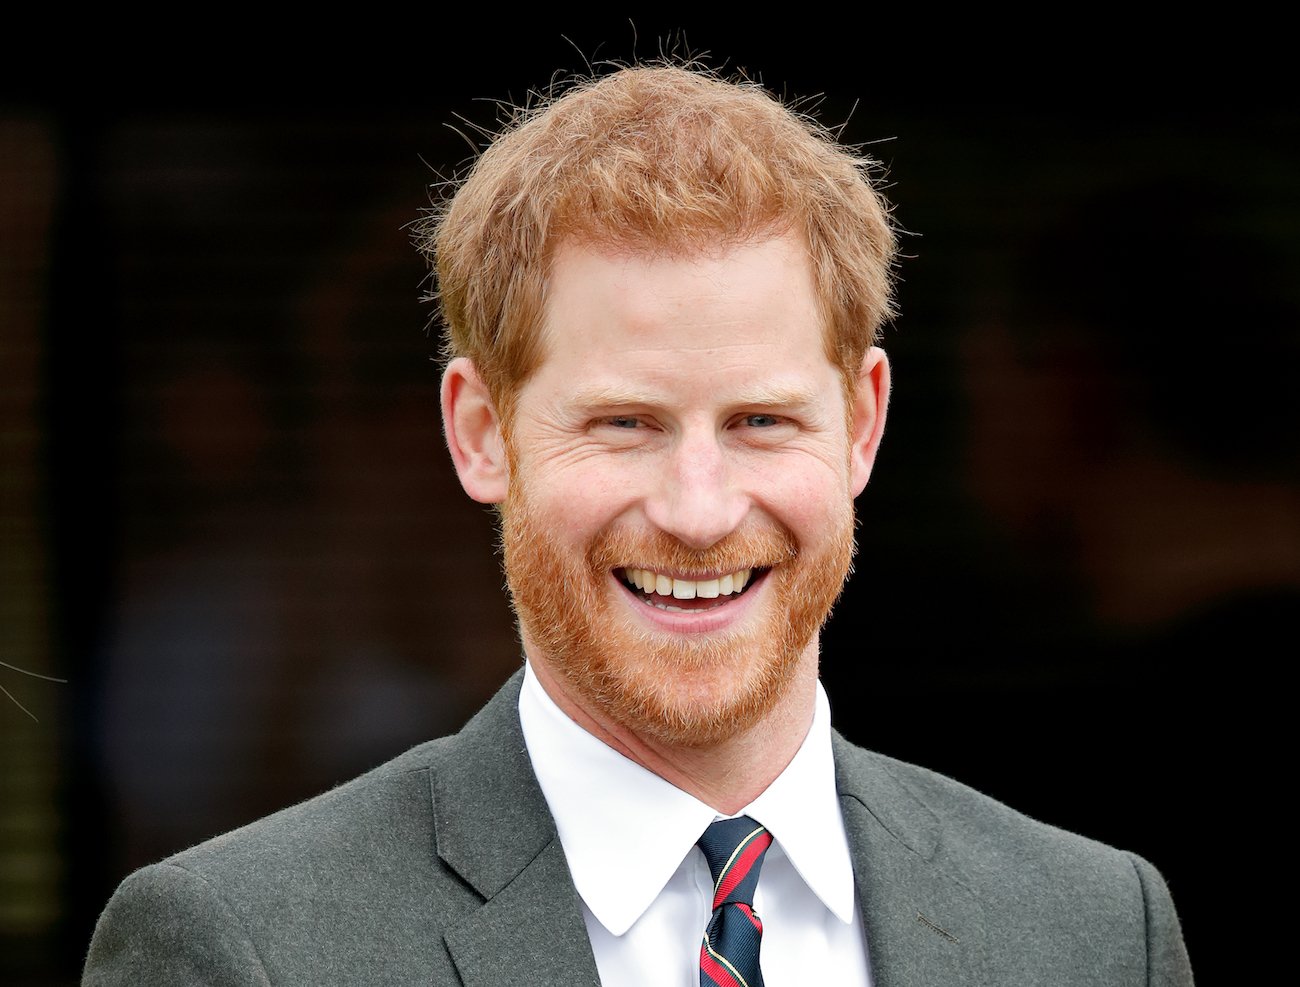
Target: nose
696,500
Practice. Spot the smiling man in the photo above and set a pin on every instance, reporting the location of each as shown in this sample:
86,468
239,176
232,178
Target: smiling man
662,293
677,497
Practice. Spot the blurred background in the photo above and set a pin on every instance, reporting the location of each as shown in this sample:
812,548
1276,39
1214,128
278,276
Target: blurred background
227,519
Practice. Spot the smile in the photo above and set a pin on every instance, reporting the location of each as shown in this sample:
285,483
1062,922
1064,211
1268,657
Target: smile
658,589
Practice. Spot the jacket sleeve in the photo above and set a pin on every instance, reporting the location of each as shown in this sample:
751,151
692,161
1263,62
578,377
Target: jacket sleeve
1167,962
167,925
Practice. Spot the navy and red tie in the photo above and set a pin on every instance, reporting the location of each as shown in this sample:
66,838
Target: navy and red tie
734,849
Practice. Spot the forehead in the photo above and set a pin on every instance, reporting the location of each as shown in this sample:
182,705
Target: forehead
753,298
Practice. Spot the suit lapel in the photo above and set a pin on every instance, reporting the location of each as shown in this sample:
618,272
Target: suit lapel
493,828
923,924
530,932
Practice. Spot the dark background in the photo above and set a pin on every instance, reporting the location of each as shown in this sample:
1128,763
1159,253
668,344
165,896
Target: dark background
230,524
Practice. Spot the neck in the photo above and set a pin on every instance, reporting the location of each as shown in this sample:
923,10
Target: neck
727,775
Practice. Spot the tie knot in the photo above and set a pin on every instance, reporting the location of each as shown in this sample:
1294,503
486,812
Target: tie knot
734,850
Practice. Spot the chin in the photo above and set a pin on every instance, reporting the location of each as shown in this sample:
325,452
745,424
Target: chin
700,699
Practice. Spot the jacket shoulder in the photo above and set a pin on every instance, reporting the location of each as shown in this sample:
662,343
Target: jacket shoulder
1054,900
942,818
350,873
370,818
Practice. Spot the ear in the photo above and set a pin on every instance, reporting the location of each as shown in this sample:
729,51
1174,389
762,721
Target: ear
473,433
870,402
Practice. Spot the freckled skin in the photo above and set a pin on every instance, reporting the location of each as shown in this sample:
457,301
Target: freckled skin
684,419
685,343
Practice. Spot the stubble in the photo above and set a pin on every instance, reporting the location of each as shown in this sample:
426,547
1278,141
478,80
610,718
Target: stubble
678,689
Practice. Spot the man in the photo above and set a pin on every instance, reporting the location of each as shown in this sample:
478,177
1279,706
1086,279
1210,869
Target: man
662,293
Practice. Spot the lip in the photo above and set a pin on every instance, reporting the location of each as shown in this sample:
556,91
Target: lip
722,617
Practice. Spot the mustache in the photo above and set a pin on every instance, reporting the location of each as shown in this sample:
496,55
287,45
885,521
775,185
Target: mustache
753,547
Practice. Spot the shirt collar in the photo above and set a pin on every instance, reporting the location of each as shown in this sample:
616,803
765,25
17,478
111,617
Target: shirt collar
801,809
634,807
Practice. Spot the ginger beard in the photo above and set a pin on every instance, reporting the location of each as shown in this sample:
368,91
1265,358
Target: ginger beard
680,689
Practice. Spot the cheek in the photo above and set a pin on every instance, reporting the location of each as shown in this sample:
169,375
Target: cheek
805,499
578,503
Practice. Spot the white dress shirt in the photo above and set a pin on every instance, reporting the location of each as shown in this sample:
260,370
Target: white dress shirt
629,837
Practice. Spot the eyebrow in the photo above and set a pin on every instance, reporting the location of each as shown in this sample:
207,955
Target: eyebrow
777,396
773,396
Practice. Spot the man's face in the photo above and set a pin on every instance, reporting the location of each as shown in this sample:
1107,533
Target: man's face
679,518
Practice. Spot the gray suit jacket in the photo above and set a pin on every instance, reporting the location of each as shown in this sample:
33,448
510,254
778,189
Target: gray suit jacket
443,867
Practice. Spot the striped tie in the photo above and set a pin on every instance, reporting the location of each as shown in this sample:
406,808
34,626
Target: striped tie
734,849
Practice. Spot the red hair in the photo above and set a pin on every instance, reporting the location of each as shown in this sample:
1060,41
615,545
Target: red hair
651,159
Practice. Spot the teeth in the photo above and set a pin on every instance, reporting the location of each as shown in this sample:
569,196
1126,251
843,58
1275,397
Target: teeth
688,589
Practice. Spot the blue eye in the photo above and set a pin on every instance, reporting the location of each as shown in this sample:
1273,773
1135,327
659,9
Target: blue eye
624,421
762,421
